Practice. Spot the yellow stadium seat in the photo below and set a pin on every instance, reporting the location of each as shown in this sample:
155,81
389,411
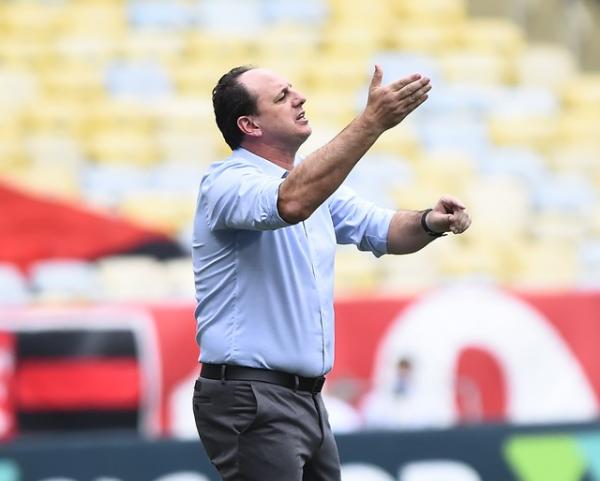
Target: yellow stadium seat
22,51
595,217
342,41
189,148
447,170
491,34
546,65
583,93
356,273
402,141
13,157
185,114
410,274
500,207
192,78
296,70
56,117
287,42
579,127
35,20
579,158
538,132
218,52
415,196
85,48
74,81
93,18
122,147
558,226
168,212
359,14
17,87
325,73
155,45
546,264
330,107
126,116
426,37
49,179
57,150
11,124
475,67
472,257
450,11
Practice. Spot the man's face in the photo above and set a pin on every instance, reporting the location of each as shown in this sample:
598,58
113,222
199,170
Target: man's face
280,117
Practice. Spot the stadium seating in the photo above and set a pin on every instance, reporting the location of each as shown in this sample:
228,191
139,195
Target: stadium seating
65,280
13,286
108,102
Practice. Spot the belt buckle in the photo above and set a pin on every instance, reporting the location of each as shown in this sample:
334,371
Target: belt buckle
318,385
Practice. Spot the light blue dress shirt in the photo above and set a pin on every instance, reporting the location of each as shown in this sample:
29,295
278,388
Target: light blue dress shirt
265,287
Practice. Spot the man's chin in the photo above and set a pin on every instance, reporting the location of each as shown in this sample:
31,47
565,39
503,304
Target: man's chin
306,135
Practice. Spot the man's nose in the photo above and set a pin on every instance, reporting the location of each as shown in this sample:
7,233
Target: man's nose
299,99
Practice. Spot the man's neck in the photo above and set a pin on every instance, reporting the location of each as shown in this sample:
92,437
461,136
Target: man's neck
282,157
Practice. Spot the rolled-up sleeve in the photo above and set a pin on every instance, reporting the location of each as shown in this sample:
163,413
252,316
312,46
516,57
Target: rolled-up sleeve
359,222
240,197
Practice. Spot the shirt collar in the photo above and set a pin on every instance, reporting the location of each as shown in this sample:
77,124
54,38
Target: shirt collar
263,164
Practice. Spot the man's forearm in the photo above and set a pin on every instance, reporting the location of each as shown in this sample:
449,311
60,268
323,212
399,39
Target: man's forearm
406,233
308,185
320,174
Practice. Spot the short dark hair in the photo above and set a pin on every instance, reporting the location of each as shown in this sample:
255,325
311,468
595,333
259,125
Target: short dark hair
232,100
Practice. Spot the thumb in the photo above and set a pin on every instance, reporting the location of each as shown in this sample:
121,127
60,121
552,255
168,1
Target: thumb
377,77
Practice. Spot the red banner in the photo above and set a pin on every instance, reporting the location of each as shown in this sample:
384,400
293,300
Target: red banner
453,355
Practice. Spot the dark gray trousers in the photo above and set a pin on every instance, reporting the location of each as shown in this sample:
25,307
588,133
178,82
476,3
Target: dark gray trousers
255,431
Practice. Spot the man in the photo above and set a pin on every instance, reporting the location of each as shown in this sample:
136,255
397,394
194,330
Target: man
264,243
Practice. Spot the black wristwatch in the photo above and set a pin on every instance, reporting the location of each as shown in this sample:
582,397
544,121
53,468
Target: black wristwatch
426,228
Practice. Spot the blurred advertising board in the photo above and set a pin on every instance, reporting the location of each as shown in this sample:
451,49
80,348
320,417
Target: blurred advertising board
476,353
477,453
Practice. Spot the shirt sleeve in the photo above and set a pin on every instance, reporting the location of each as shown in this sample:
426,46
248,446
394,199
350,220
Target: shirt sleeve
240,197
359,222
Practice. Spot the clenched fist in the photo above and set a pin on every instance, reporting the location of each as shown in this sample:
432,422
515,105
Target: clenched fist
448,215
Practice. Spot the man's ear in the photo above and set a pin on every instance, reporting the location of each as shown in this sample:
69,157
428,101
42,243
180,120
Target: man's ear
248,126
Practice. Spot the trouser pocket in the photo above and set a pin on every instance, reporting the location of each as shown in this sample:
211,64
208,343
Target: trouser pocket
223,411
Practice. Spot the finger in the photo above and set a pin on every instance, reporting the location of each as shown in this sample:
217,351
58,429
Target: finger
414,88
403,82
377,77
451,223
408,108
439,221
452,203
466,223
462,222
414,95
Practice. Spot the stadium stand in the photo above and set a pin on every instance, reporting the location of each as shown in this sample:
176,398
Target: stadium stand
108,103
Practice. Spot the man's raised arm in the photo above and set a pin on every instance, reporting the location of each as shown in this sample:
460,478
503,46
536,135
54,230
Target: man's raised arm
310,183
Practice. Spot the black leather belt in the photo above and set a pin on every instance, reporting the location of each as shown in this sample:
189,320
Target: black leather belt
242,373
